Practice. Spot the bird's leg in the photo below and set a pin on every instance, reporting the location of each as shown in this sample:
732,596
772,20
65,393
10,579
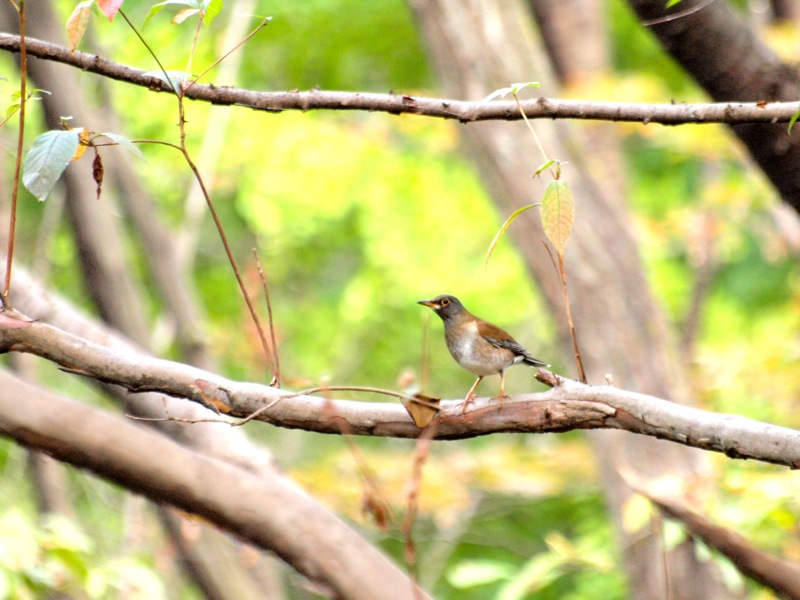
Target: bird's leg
470,395
502,390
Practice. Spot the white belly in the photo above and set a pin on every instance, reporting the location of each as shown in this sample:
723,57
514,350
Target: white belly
467,352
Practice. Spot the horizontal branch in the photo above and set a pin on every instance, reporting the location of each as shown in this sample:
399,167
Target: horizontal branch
463,111
569,405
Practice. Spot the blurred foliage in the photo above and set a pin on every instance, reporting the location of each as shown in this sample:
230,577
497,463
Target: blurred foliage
357,216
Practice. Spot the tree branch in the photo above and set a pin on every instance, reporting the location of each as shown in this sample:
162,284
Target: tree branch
569,405
271,512
463,111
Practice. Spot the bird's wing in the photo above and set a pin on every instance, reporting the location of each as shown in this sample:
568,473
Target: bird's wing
499,338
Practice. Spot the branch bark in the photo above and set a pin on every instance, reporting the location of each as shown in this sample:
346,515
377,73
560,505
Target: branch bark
271,513
569,405
717,47
396,104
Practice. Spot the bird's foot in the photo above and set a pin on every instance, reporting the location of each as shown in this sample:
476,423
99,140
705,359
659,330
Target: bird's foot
500,397
467,401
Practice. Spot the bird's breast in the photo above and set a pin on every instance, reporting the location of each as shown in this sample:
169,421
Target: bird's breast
474,353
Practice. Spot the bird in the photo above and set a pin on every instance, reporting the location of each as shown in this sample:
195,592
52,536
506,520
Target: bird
480,347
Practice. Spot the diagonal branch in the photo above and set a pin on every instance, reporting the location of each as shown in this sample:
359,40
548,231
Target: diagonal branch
463,111
569,405
269,511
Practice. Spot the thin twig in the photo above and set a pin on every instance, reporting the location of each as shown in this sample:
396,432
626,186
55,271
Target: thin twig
229,52
276,363
23,82
560,269
412,505
217,222
677,15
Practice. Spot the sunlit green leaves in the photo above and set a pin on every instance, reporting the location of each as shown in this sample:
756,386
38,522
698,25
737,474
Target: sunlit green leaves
558,213
503,229
51,153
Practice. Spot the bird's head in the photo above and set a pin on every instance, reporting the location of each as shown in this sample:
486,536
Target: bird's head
445,306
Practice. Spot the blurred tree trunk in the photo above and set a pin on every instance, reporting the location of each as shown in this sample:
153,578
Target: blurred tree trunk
483,45
212,561
722,52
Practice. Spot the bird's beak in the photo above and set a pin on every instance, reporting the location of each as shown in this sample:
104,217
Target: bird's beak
429,303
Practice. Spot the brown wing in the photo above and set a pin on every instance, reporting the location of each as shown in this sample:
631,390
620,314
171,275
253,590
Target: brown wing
497,337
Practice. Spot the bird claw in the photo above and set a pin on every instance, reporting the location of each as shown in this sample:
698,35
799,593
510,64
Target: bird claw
467,401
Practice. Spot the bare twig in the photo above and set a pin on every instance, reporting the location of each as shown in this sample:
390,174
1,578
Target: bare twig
412,505
464,111
23,97
562,273
180,93
276,363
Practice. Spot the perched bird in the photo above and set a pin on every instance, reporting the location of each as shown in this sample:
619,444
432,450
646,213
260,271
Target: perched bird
478,346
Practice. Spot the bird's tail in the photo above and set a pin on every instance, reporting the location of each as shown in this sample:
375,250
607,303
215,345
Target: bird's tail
533,362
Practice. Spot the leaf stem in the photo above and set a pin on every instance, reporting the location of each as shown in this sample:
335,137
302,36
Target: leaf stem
12,227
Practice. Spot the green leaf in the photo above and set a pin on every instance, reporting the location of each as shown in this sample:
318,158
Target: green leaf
471,573
124,142
45,162
558,214
671,3
212,9
544,167
502,230
793,121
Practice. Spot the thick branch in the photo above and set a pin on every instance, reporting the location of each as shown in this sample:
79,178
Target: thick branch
466,112
569,405
270,512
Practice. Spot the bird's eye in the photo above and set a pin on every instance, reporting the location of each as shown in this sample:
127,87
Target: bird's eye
445,301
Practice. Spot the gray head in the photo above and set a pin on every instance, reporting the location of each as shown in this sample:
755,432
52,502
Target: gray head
445,306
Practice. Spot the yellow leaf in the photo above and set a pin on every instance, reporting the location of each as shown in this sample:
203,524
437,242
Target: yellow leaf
83,143
636,513
77,23
558,214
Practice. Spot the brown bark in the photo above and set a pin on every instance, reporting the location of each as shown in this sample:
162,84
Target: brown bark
724,55
482,46
273,514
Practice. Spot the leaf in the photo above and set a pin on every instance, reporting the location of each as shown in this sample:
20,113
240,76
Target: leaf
121,140
157,8
793,121
505,226
636,513
45,162
421,408
97,172
512,89
671,3
184,14
77,23
558,213
471,573
544,167
212,9
83,143
109,8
